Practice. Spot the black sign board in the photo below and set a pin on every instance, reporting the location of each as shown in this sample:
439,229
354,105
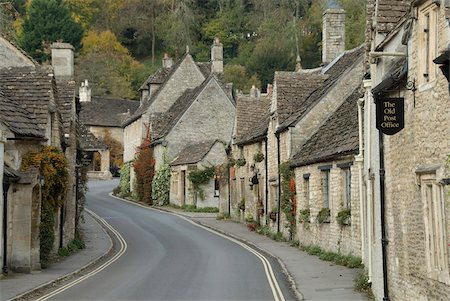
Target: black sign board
390,115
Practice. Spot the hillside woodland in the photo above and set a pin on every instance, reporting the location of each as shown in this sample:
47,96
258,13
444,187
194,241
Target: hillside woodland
119,43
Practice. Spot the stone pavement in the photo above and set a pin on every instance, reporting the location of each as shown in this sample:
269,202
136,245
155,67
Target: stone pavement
313,278
98,245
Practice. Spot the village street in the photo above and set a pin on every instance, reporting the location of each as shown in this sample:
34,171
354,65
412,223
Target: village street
168,258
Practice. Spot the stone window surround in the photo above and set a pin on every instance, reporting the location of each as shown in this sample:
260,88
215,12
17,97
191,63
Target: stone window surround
432,193
326,184
306,190
427,43
346,182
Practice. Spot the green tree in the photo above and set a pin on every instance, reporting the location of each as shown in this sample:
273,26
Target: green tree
355,22
237,74
48,21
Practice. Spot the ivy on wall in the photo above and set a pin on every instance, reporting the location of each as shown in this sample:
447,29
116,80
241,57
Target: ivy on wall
199,178
287,200
124,182
161,185
144,167
53,167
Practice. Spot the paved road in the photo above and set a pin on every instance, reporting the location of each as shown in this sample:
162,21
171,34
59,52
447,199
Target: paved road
169,258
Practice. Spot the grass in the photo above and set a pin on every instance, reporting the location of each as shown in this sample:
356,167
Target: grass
192,208
76,244
349,261
363,285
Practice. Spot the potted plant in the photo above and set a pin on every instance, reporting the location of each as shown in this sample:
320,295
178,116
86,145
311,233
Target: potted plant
323,216
344,217
305,216
258,157
241,162
251,224
242,205
273,214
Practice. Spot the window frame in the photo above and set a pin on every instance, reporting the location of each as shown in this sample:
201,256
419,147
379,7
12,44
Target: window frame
428,20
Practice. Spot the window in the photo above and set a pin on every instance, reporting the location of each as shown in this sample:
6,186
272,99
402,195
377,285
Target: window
306,190
347,187
242,182
433,199
175,183
326,185
427,48
216,187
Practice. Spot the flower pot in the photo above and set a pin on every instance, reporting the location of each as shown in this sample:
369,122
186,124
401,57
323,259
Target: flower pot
251,227
273,216
242,207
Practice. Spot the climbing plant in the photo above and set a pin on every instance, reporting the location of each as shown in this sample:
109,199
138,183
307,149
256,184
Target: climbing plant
144,167
161,185
200,177
52,165
287,200
124,182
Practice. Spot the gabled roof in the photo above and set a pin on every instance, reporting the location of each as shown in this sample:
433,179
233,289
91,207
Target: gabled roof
252,119
337,137
163,123
147,102
106,111
66,102
194,153
18,120
32,87
333,71
159,77
15,48
292,90
87,141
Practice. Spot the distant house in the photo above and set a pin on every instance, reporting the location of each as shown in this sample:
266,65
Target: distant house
177,106
196,156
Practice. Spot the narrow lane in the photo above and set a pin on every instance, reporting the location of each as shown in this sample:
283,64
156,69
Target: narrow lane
168,258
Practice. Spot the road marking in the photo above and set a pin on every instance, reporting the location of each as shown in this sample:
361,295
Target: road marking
123,248
273,283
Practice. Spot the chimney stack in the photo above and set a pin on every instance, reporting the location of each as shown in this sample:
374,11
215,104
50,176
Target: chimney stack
333,34
255,92
85,91
269,90
167,61
62,60
217,56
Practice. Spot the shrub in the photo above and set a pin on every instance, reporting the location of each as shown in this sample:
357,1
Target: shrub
343,217
323,216
305,216
161,185
124,183
199,178
144,167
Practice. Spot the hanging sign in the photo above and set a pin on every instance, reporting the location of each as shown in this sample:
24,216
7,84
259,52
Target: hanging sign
390,115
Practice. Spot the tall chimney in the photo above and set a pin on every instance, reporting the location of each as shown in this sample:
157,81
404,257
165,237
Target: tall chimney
85,91
62,60
217,56
333,34
167,61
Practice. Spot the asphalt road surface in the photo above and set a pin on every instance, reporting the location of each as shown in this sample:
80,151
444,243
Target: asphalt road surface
169,258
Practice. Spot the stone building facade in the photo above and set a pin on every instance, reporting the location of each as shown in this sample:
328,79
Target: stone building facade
414,159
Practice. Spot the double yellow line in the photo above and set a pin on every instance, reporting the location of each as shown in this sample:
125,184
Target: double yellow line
123,248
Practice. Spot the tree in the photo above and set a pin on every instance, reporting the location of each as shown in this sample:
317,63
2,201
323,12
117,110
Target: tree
48,21
108,66
237,74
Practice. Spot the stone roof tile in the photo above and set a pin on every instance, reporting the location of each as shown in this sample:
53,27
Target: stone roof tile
194,153
337,137
106,111
252,118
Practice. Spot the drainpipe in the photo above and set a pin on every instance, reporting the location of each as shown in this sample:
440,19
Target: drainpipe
61,226
277,135
384,241
5,227
229,191
266,167
360,163
368,106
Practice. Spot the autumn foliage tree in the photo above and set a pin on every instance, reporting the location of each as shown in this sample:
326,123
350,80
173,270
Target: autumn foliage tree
144,168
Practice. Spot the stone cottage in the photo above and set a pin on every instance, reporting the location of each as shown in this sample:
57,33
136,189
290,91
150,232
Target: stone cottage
20,192
103,116
196,156
303,100
406,150
328,201
248,173
177,103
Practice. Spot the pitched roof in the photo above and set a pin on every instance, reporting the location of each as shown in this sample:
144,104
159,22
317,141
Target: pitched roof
87,141
105,111
333,71
338,136
14,47
158,77
389,12
194,153
252,119
292,90
162,123
66,96
32,87
17,119
147,102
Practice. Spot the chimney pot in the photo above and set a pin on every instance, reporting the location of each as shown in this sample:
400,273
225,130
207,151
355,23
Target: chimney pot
167,61
85,91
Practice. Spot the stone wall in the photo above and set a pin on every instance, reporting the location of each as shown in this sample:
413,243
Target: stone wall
132,138
99,132
330,235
